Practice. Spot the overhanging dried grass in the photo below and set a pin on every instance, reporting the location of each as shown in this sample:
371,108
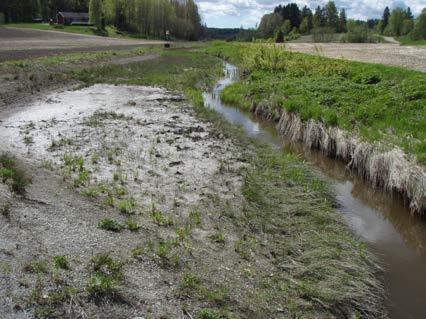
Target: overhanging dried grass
385,167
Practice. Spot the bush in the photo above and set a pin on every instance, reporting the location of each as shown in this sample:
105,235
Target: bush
279,36
2,18
323,34
359,34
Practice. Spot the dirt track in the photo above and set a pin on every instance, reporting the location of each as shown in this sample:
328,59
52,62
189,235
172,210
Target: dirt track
410,57
27,43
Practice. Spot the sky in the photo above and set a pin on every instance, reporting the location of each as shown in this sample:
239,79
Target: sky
247,13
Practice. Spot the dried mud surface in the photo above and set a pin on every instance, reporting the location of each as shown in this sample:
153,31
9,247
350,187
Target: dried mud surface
138,144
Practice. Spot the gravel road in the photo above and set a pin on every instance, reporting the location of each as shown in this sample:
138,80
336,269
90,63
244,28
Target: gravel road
410,57
18,43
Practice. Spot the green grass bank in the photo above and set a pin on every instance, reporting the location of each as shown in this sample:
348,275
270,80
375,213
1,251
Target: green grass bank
339,106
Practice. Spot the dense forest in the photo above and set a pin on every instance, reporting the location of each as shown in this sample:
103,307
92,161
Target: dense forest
289,22
146,17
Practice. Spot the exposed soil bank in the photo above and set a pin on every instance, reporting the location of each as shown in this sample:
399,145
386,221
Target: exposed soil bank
410,57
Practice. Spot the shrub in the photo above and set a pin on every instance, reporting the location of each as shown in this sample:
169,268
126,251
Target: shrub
359,34
325,34
279,36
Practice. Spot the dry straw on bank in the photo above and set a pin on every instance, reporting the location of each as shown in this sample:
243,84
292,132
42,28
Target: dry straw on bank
389,168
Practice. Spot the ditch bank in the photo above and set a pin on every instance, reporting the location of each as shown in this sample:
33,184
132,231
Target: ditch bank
386,167
138,196
377,218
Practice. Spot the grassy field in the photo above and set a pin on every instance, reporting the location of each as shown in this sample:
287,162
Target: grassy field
375,102
293,257
406,40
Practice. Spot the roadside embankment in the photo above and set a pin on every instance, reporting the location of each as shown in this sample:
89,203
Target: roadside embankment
370,116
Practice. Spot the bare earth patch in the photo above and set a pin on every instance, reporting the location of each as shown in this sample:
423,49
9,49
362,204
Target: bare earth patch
140,159
410,57
22,43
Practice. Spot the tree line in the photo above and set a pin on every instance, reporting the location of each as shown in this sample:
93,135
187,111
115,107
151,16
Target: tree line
151,18
289,21
400,22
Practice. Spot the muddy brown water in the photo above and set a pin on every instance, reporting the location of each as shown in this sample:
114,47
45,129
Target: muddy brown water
380,220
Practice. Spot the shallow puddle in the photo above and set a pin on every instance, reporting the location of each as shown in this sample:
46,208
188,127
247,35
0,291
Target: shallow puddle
382,221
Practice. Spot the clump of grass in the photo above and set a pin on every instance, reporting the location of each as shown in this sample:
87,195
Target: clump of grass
37,266
132,225
5,211
11,172
163,251
218,295
183,232
245,247
106,278
57,144
61,262
91,192
161,220
138,251
111,225
28,140
190,285
82,178
218,237
47,303
127,206
194,218
209,313
74,162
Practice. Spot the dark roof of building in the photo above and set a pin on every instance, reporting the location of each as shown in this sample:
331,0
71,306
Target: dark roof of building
74,15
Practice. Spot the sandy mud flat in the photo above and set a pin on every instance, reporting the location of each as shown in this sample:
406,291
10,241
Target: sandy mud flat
140,158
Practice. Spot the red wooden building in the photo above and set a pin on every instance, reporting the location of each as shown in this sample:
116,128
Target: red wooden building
73,18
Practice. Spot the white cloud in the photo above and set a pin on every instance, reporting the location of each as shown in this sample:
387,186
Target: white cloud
227,13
